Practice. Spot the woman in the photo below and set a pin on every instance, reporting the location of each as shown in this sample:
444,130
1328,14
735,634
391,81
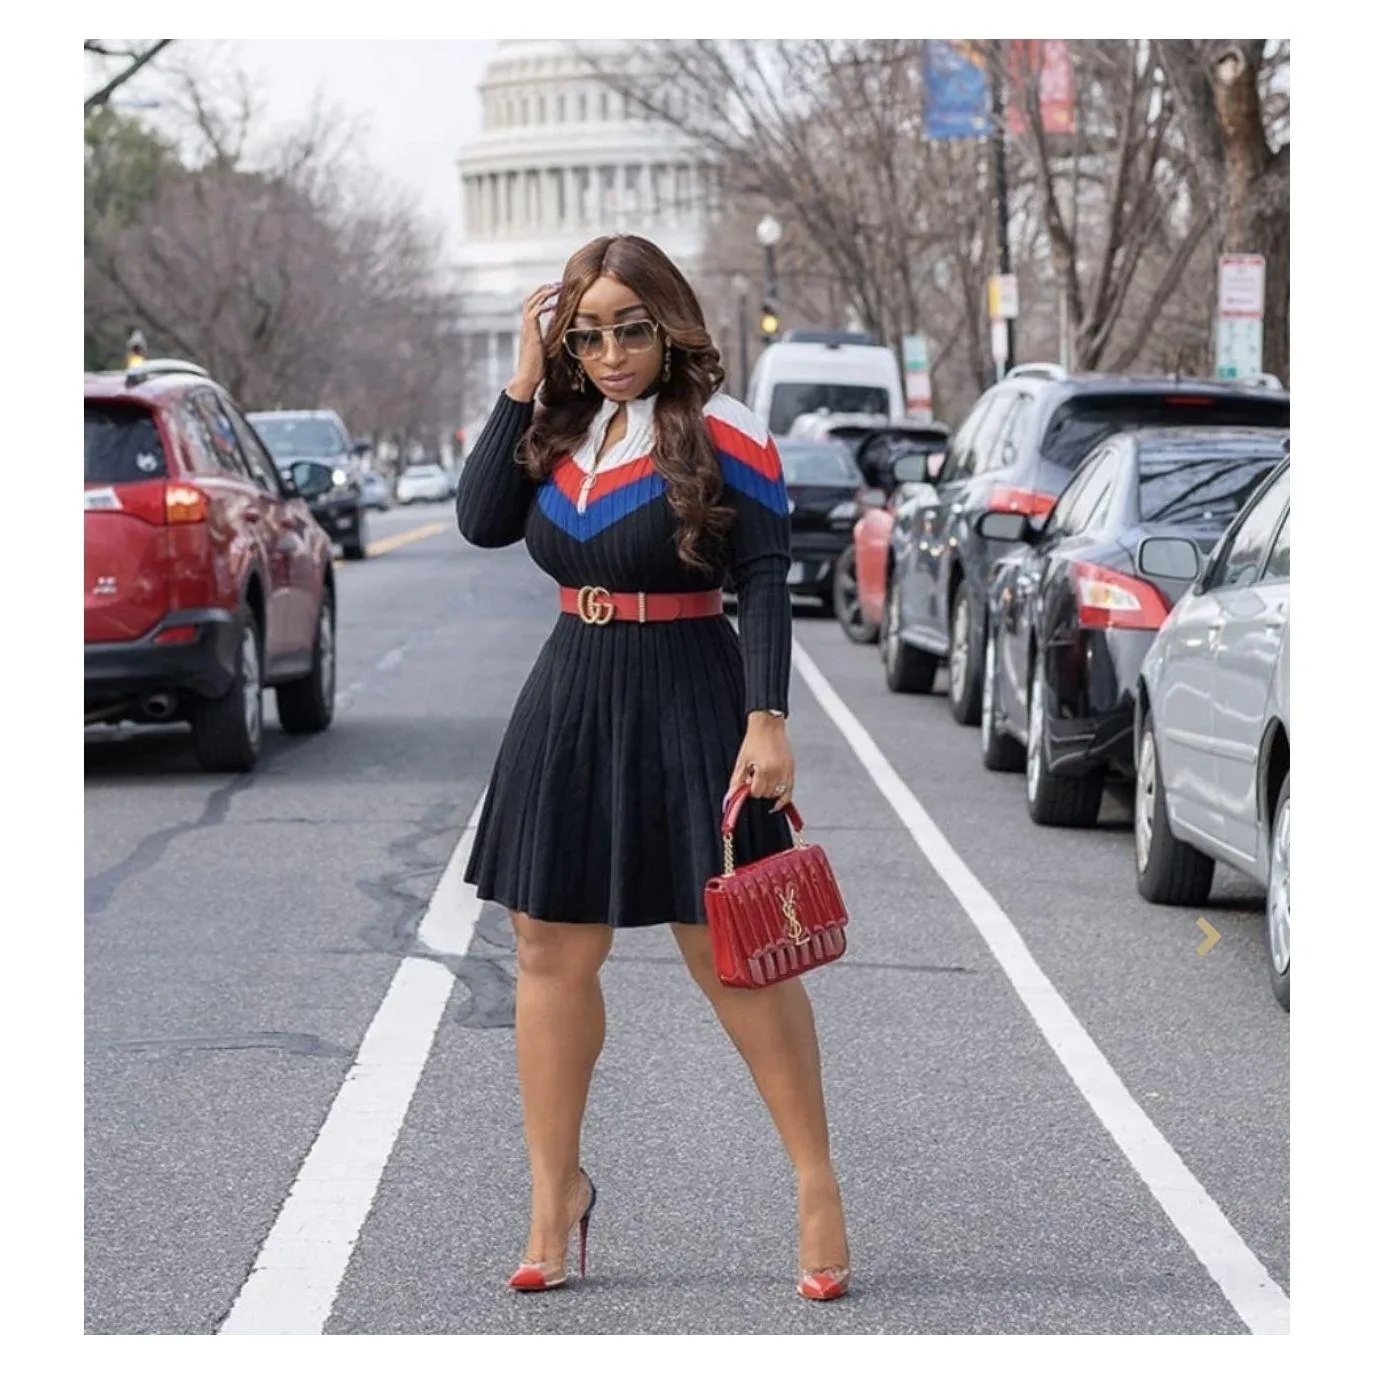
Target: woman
637,487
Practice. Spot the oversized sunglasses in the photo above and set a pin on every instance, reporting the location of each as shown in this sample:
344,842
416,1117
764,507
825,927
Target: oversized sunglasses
588,344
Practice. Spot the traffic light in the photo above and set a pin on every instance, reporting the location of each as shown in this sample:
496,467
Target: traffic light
769,323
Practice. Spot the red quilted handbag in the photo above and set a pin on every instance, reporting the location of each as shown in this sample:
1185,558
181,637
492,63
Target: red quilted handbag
775,918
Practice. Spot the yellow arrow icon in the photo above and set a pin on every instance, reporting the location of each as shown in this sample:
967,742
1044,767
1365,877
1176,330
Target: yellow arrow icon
1212,936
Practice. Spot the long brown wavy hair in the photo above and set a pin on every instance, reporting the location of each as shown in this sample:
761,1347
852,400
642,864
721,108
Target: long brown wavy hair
683,452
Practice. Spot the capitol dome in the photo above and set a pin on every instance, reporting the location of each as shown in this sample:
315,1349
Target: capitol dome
561,158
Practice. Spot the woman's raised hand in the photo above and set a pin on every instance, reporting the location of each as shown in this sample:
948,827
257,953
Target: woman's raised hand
529,365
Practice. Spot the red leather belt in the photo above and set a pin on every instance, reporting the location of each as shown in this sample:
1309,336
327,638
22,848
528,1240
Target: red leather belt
594,605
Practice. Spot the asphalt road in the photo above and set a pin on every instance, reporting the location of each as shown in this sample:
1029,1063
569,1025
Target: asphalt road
242,934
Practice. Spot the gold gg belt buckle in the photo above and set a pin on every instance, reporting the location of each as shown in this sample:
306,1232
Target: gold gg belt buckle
594,606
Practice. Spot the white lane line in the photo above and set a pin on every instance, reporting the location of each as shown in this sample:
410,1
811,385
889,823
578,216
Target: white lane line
301,1265
454,907
1257,1299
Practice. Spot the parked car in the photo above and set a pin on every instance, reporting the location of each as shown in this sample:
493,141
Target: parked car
811,370
206,578
1014,453
847,428
1213,723
376,490
1075,606
314,445
861,576
823,482
426,481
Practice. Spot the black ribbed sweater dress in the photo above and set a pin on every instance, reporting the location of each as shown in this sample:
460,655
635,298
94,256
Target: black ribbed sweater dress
604,803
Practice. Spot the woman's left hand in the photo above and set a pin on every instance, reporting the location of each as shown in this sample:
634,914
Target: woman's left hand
765,764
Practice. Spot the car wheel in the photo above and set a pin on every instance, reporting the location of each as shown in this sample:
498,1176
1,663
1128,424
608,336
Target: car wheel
906,669
306,705
1065,801
847,608
356,548
1167,871
1277,924
1000,753
227,732
965,682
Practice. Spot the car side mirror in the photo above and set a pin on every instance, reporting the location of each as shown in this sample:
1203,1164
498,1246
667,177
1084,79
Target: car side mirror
911,469
310,478
1004,525
1174,558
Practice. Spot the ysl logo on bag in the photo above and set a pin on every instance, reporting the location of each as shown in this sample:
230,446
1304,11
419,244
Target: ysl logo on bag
795,931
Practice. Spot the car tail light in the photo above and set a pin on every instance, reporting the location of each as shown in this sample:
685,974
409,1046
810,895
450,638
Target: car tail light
1019,500
184,504
1205,402
177,634
1107,599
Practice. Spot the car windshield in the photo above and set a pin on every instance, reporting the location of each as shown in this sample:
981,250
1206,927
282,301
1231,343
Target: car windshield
1078,425
818,464
300,438
792,399
1186,488
122,444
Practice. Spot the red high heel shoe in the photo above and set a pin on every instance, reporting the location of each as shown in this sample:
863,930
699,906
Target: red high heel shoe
542,1277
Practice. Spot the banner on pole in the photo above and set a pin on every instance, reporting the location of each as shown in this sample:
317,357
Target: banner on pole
956,91
919,395
1239,317
1048,64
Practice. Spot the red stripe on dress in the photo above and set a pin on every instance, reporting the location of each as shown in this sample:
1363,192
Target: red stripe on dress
763,458
569,478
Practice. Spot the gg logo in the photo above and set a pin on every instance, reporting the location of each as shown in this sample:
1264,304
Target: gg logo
594,606
795,931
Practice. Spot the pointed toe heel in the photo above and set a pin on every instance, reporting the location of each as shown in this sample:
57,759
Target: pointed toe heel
823,1284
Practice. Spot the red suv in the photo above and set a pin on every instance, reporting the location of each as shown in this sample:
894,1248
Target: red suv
207,579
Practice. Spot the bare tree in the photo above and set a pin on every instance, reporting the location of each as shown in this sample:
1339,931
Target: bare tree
1233,98
285,267
134,58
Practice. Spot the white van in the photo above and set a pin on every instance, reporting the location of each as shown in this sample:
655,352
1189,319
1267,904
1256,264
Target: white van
814,370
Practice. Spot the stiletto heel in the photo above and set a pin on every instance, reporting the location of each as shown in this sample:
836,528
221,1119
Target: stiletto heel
533,1276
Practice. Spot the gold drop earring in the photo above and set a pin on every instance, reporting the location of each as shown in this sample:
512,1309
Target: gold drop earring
667,363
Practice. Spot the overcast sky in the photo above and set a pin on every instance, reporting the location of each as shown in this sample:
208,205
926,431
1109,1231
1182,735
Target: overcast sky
418,100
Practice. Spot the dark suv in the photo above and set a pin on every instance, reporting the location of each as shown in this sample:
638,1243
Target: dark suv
1015,452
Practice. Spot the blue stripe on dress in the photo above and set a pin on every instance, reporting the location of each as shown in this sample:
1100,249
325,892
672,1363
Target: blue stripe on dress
602,513
751,482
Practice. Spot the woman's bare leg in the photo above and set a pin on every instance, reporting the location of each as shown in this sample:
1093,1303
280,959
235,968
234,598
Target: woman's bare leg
774,1030
559,1031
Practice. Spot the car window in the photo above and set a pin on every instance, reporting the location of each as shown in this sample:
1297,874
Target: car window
1248,543
122,443
1095,503
985,445
961,441
817,464
1017,429
1190,488
1279,566
1062,516
260,462
211,431
792,399
300,436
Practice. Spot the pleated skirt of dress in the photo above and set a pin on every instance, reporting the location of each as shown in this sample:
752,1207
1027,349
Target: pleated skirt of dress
605,800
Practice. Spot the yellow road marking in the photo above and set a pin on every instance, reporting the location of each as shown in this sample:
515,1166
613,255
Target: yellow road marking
394,541
1212,936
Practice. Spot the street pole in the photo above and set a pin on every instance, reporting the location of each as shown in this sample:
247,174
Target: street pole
743,344
1003,209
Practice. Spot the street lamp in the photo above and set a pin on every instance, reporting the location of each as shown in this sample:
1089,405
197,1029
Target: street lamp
769,233
741,289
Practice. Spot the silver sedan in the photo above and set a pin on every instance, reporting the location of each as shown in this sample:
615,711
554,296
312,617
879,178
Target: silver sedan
1213,725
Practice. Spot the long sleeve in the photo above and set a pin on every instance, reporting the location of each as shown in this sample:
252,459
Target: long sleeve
758,554
494,493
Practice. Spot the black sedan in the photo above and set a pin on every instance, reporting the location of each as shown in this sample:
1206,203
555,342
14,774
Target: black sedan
1075,605
823,482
